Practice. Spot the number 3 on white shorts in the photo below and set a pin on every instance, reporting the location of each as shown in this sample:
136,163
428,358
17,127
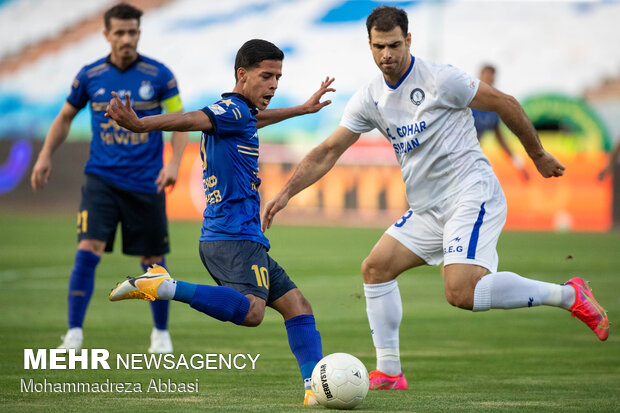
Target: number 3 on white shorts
403,219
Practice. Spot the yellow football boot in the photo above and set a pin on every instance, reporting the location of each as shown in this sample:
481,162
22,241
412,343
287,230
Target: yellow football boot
143,287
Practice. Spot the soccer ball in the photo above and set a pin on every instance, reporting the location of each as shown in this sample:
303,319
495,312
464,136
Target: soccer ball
340,381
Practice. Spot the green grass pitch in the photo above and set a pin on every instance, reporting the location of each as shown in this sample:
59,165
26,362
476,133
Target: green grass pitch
537,359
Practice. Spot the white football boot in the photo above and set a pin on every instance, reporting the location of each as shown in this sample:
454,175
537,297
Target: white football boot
73,339
160,342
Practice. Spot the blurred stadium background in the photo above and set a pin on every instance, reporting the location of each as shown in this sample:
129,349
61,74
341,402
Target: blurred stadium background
560,59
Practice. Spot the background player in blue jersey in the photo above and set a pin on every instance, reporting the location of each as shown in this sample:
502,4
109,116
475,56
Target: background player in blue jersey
485,121
232,245
611,163
125,175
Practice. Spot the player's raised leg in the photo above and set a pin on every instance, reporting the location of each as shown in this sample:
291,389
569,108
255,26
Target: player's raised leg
222,303
470,252
386,261
506,290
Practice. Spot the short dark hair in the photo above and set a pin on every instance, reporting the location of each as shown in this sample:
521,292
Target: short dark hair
255,51
488,67
386,18
122,11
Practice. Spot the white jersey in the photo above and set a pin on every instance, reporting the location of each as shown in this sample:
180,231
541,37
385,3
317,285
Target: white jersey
426,118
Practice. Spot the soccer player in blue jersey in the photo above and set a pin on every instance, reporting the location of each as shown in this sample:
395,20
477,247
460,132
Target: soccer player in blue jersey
489,121
125,175
233,247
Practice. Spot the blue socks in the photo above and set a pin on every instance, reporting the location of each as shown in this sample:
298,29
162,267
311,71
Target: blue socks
227,304
81,286
222,303
159,308
184,291
305,343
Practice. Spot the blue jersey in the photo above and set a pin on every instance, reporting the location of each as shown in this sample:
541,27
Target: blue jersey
484,121
229,155
119,156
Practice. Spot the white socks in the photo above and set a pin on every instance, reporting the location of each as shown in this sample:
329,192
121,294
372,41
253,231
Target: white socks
508,290
498,290
385,312
166,290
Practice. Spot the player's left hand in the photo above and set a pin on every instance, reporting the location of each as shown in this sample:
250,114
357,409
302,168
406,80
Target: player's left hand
314,104
272,207
167,177
123,114
548,166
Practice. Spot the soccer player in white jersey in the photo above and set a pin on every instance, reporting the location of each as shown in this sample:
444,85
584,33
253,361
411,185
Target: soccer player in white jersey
457,207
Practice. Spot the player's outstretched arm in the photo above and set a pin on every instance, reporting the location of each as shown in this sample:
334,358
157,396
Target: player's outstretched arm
511,113
312,105
169,173
316,164
55,137
125,116
516,160
609,168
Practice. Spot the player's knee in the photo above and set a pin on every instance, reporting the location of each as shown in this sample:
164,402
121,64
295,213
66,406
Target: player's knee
255,315
374,271
459,297
459,284
371,270
95,246
253,319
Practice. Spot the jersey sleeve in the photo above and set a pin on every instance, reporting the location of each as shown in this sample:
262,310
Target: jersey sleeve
172,104
226,117
169,82
354,117
78,96
456,88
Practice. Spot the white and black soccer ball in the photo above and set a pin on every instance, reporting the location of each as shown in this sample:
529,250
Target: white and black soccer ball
340,381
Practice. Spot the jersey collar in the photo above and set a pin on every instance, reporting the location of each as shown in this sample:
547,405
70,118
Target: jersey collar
402,77
135,62
253,108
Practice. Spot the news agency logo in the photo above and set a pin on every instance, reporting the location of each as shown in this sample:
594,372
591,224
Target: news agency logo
94,359
417,96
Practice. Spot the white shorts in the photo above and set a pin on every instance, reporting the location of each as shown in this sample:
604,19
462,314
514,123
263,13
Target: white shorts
463,229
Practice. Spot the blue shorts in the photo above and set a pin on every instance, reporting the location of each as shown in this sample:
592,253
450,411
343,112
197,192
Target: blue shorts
245,266
142,217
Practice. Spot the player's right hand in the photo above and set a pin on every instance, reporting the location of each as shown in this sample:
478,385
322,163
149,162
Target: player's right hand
271,209
123,114
40,173
548,166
